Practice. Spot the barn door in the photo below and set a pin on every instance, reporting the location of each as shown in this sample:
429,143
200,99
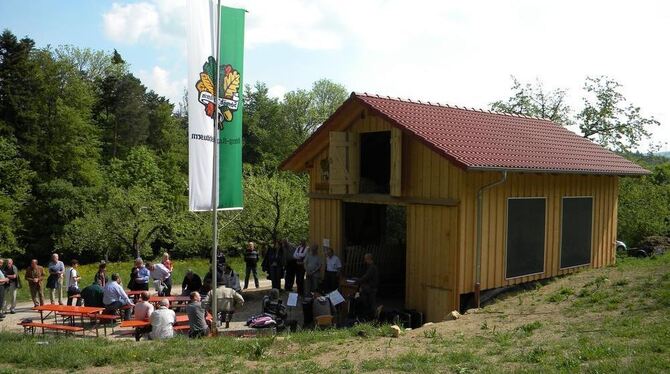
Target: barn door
343,159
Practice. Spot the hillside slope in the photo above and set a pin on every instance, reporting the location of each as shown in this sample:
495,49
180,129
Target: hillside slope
615,319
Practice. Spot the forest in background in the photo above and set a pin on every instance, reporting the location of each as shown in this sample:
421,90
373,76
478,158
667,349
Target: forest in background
94,165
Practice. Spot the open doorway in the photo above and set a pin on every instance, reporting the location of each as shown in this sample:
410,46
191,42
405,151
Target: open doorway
381,230
375,162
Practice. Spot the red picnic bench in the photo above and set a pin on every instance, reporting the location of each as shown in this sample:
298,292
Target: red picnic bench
31,326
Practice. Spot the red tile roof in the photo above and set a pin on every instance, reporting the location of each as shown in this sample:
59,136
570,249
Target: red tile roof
483,140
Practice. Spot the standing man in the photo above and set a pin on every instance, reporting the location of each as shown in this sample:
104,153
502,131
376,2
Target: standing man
115,298
34,276
368,284
291,265
331,278
12,273
161,276
251,261
313,267
274,264
72,283
3,282
55,280
196,317
299,256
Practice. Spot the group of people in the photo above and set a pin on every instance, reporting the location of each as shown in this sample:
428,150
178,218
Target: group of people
300,265
304,267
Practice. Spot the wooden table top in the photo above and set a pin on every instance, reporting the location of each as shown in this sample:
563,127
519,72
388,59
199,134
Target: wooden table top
172,299
68,308
135,293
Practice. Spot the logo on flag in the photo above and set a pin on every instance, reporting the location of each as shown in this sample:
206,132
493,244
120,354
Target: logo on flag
230,95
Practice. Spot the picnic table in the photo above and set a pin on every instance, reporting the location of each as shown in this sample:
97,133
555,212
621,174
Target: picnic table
67,310
181,323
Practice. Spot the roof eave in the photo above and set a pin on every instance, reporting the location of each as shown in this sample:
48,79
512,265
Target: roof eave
561,171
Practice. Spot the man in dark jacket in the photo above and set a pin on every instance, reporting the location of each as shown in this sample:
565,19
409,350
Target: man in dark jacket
191,283
273,264
368,284
251,261
92,295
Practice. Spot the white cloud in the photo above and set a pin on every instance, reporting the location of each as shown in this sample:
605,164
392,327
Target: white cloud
159,80
159,22
454,52
277,91
300,24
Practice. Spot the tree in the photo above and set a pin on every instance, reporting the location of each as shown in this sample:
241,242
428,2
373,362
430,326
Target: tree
131,208
276,207
326,96
532,100
263,132
608,120
121,114
643,206
15,178
91,64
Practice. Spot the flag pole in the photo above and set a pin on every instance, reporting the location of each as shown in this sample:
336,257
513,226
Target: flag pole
215,173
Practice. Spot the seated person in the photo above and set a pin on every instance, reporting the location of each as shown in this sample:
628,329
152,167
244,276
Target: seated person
273,306
162,321
143,310
231,279
227,300
92,295
191,283
114,297
196,317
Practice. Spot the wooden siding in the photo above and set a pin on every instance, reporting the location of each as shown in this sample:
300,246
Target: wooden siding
325,222
603,189
431,260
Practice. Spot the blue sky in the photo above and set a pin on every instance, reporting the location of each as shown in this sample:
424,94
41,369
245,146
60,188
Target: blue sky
448,51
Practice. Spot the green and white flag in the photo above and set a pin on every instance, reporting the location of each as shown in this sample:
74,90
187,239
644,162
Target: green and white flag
202,108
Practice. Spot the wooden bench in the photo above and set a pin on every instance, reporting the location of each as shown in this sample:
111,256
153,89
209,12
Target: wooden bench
31,326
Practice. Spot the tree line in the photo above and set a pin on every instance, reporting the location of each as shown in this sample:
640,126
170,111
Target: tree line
95,165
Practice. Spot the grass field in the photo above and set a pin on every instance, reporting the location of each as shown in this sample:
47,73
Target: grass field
611,320
87,272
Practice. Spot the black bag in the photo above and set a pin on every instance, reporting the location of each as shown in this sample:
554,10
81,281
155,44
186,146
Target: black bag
52,281
72,290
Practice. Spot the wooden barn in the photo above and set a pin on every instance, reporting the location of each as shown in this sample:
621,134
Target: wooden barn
452,201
